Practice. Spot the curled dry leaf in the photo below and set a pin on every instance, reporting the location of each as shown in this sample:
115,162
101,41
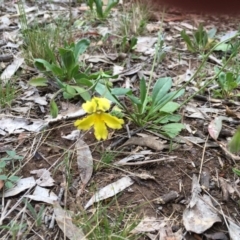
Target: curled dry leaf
84,161
149,141
215,126
65,223
45,179
110,190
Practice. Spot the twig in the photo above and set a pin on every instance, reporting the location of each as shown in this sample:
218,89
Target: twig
203,154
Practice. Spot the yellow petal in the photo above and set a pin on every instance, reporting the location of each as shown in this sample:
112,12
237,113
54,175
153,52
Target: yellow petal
100,129
103,104
111,121
90,106
85,123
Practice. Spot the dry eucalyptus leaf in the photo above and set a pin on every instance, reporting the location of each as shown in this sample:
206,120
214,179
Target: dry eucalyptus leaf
73,136
149,224
149,141
45,179
11,69
110,190
84,161
43,195
65,223
199,215
18,125
21,185
234,230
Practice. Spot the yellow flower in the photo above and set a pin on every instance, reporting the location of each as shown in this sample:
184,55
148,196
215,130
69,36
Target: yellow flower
96,108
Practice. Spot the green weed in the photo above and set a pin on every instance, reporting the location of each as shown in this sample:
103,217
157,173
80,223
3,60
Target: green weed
102,12
201,40
7,94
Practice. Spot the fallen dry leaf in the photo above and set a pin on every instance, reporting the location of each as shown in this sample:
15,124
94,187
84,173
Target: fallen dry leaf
65,223
84,161
149,141
43,195
110,190
45,179
21,185
199,215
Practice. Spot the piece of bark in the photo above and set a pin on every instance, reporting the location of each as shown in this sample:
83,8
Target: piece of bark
6,58
172,195
225,193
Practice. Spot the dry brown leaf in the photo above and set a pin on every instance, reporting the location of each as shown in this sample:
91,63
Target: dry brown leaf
65,223
84,161
149,141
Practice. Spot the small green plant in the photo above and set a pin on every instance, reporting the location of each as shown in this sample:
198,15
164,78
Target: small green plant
134,20
102,226
127,45
37,216
41,41
107,158
7,94
65,72
201,40
156,110
15,228
227,81
102,12
234,144
9,180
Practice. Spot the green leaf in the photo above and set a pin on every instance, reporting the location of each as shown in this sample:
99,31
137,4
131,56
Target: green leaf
43,65
13,178
80,48
2,164
70,90
160,89
3,177
68,60
170,107
121,91
187,40
134,100
172,129
38,82
236,171
234,144
83,93
99,8
111,4
143,90
11,154
53,109
224,47
168,118
104,92
9,185
212,33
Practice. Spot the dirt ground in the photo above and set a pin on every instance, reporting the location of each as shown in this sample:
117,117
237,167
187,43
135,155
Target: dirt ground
167,193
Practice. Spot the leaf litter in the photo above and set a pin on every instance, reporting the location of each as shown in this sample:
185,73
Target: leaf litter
158,178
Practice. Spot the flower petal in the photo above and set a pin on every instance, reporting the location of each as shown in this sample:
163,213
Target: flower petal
111,121
85,123
90,106
103,104
100,129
